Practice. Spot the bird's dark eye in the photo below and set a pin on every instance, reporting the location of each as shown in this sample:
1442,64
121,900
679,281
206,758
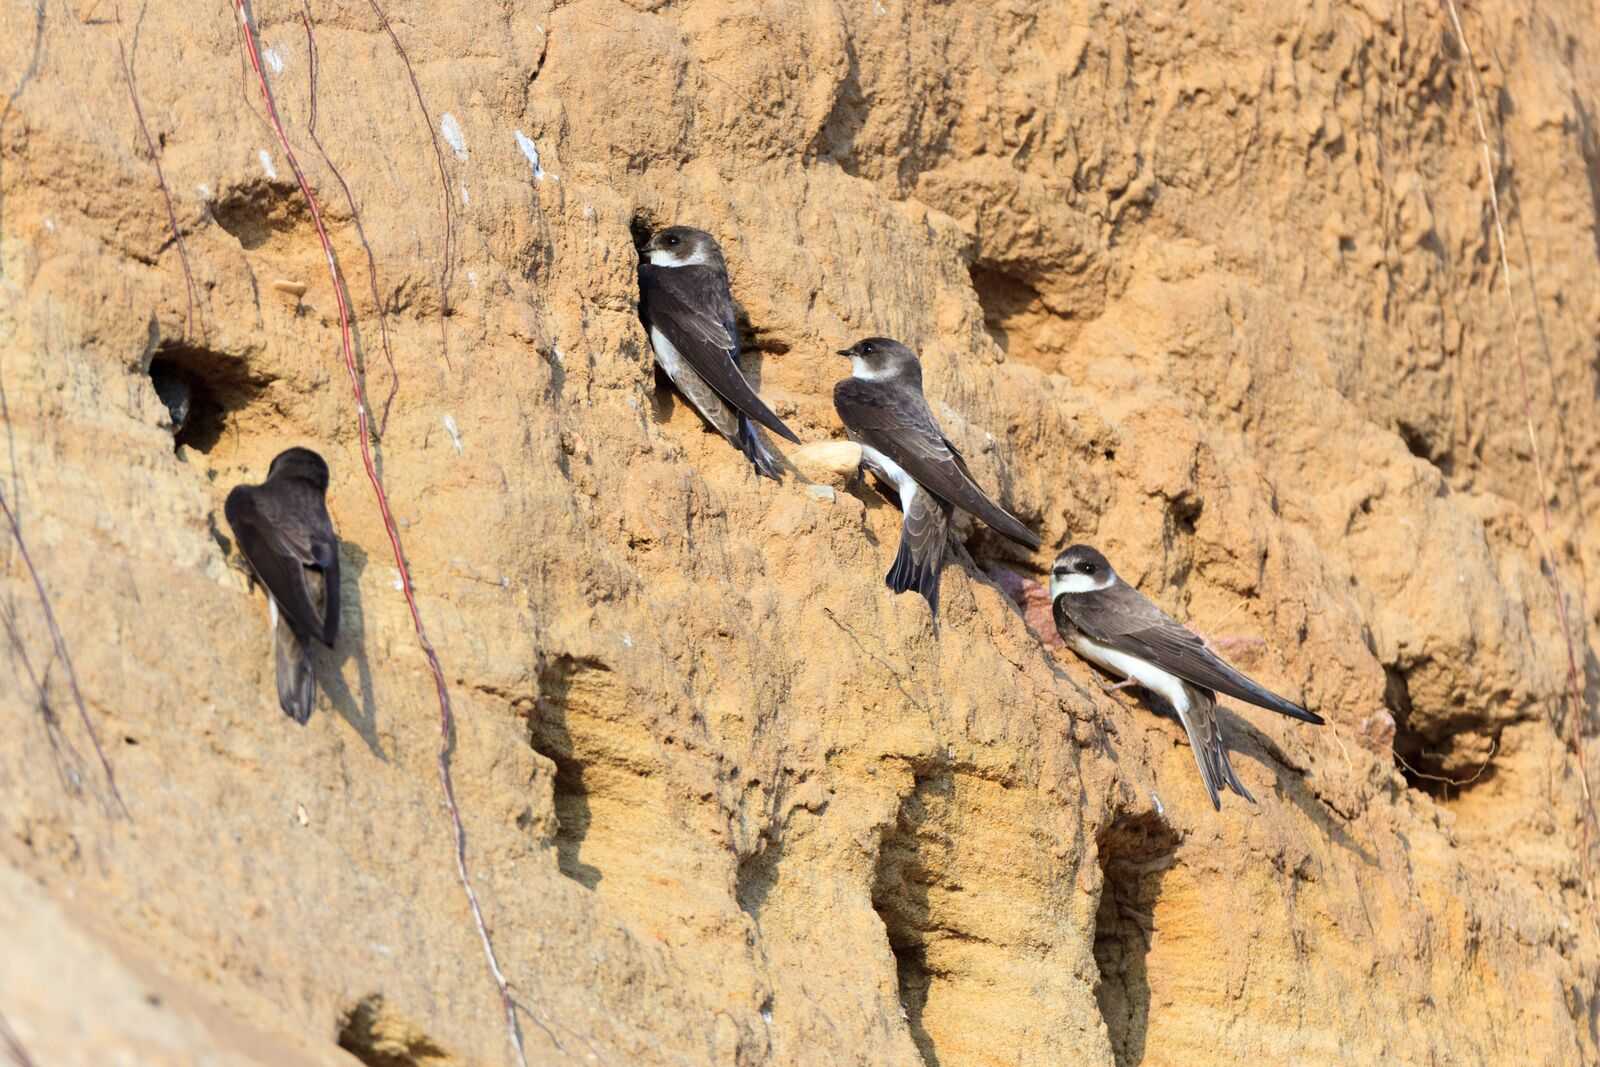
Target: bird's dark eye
866,349
670,240
1086,567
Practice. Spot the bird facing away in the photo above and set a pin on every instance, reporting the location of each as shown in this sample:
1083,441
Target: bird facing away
283,529
1114,626
883,409
687,309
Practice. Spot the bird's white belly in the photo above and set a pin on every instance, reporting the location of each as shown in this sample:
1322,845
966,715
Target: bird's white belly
891,471
670,358
1163,683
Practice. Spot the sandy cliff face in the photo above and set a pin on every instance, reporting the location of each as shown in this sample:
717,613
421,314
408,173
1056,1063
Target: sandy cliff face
1216,290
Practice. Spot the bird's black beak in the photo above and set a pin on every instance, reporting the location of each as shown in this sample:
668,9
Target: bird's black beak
845,352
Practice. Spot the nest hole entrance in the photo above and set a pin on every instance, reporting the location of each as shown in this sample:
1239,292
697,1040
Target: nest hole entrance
1135,853
203,391
376,1035
1444,760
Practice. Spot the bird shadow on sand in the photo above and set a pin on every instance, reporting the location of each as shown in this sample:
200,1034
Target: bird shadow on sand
874,496
360,712
1245,739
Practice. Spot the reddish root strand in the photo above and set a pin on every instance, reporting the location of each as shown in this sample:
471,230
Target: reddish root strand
441,690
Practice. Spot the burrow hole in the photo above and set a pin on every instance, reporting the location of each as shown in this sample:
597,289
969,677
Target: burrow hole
1135,852
374,1034
203,391
908,864
1442,759
550,735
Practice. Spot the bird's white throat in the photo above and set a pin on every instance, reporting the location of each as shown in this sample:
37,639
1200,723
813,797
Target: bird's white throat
1079,583
862,372
663,257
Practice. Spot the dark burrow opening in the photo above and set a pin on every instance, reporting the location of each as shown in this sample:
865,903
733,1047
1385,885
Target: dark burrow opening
1135,852
379,1038
1418,445
254,211
1003,298
202,390
1186,509
757,876
1429,761
549,735
900,897
641,226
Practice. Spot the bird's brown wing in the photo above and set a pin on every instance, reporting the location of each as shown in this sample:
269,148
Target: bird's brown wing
693,309
895,420
1126,620
285,533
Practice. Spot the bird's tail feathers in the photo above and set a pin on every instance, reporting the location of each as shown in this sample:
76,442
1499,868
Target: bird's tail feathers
923,537
1210,751
756,451
297,682
906,573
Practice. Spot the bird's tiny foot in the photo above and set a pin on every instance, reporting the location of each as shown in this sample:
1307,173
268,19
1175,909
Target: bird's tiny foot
1125,683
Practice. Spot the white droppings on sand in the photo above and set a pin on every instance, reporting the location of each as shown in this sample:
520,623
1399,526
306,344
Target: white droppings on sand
531,150
274,59
453,430
451,130
266,163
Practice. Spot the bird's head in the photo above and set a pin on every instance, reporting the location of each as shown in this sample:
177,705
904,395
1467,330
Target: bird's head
879,358
682,246
300,463
1080,569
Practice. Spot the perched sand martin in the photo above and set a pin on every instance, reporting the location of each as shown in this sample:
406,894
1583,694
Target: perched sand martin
1114,626
883,409
283,529
687,308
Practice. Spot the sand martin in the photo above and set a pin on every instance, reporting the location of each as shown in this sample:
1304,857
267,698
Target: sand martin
172,386
687,308
1114,626
283,529
883,409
